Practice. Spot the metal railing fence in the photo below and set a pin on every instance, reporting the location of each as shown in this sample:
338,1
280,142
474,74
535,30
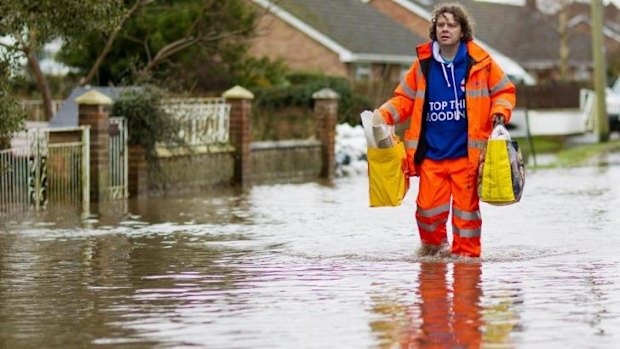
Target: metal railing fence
45,167
202,121
119,170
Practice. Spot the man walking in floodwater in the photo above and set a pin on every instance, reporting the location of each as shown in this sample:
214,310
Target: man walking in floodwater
454,94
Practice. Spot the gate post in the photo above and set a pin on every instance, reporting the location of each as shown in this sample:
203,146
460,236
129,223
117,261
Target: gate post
240,101
326,113
138,171
94,111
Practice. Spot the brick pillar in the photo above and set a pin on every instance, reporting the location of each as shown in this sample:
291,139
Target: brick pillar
137,171
240,101
94,111
326,113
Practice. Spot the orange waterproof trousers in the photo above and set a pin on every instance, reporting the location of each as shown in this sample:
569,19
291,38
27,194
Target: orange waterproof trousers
440,180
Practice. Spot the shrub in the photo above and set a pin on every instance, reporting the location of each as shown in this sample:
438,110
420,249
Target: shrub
12,114
299,94
147,123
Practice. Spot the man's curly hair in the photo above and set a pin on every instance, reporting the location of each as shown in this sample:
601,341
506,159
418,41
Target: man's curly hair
460,15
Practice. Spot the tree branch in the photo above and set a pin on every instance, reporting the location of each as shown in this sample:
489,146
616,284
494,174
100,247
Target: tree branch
180,45
108,46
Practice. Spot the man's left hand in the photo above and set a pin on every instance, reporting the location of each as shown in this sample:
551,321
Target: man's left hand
498,119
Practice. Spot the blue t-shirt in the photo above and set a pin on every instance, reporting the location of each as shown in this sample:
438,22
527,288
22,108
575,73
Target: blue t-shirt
446,122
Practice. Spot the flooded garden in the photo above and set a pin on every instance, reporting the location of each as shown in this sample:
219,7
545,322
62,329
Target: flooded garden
312,266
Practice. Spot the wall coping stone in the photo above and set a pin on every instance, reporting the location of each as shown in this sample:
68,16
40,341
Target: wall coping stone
94,97
325,93
292,143
238,92
166,152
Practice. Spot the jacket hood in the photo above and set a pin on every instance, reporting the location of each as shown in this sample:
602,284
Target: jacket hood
477,53
460,56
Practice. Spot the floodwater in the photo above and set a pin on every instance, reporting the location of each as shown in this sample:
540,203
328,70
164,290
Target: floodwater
311,266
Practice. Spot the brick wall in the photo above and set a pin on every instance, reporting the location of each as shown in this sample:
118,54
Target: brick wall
97,117
277,39
242,162
553,96
186,171
419,26
65,137
271,162
290,161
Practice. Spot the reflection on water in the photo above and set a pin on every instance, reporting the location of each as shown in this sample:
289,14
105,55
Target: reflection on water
311,266
447,311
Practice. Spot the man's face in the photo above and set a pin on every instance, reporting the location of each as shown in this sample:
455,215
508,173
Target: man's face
448,30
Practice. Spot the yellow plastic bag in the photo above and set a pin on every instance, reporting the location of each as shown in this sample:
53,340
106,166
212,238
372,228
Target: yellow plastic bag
388,182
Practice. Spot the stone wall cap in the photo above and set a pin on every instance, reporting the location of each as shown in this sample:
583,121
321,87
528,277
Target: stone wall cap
94,97
238,92
326,93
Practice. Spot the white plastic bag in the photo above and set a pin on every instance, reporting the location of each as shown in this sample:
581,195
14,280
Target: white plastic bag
378,133
366,117
500,132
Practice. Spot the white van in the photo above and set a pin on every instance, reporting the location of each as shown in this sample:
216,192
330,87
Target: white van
613,106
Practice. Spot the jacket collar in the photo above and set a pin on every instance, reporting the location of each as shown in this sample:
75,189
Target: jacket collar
477,53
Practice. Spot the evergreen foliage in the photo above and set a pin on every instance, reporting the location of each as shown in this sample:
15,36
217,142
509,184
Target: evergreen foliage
202,35
12,114
299,94
46,20
147,123
26,26
251,72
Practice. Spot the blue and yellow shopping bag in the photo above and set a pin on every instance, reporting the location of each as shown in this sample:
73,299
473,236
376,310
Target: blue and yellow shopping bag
501,175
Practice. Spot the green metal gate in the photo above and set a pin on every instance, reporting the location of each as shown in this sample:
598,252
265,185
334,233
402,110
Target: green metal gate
118,158
45,167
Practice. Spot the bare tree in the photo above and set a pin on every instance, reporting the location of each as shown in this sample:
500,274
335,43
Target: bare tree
559,11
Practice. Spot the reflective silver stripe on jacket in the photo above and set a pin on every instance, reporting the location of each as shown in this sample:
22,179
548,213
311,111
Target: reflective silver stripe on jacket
502,101
393,111
466,233
480,92
405,87
477,144
466,215
500,85
418,74
431,212
411,144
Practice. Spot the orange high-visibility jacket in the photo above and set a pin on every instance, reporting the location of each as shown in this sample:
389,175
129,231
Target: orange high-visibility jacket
488,91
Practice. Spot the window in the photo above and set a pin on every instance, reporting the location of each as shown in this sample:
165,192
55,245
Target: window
362,72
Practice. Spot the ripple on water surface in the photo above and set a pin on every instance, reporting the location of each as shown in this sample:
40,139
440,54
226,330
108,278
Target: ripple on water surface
312,266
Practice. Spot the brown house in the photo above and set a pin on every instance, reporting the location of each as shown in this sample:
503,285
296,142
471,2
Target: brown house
369,40
522,32
346,38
